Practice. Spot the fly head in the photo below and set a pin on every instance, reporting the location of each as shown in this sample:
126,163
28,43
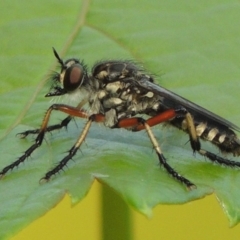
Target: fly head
73,74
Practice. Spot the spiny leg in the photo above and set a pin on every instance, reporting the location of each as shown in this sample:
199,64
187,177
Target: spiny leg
27,153
38,141
74,149
138,124
70,154
163,161
215,158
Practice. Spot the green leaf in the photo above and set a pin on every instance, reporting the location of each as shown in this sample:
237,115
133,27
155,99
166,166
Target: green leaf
192,48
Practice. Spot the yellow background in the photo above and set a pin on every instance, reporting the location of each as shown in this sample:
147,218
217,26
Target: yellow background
202,219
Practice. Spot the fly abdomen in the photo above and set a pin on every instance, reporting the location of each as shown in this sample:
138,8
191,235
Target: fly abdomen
221,136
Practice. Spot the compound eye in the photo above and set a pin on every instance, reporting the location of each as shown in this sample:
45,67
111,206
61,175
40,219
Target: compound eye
73,77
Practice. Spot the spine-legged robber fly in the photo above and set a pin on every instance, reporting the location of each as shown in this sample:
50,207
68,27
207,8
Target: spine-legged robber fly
117,92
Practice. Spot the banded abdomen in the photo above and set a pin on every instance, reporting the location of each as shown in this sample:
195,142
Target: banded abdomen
221,136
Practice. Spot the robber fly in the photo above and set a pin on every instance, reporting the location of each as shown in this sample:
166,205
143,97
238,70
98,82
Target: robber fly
117,92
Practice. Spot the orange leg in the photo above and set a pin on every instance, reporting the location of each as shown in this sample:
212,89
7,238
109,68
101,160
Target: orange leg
136,124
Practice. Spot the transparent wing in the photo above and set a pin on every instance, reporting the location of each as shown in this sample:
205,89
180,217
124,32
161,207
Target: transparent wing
172,100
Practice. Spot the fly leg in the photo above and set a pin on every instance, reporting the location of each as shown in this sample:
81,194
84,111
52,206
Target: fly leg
163,160
74,149
138,124
72,111
70,154
64,123
215,158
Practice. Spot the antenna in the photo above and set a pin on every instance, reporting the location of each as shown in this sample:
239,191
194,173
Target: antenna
57,56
